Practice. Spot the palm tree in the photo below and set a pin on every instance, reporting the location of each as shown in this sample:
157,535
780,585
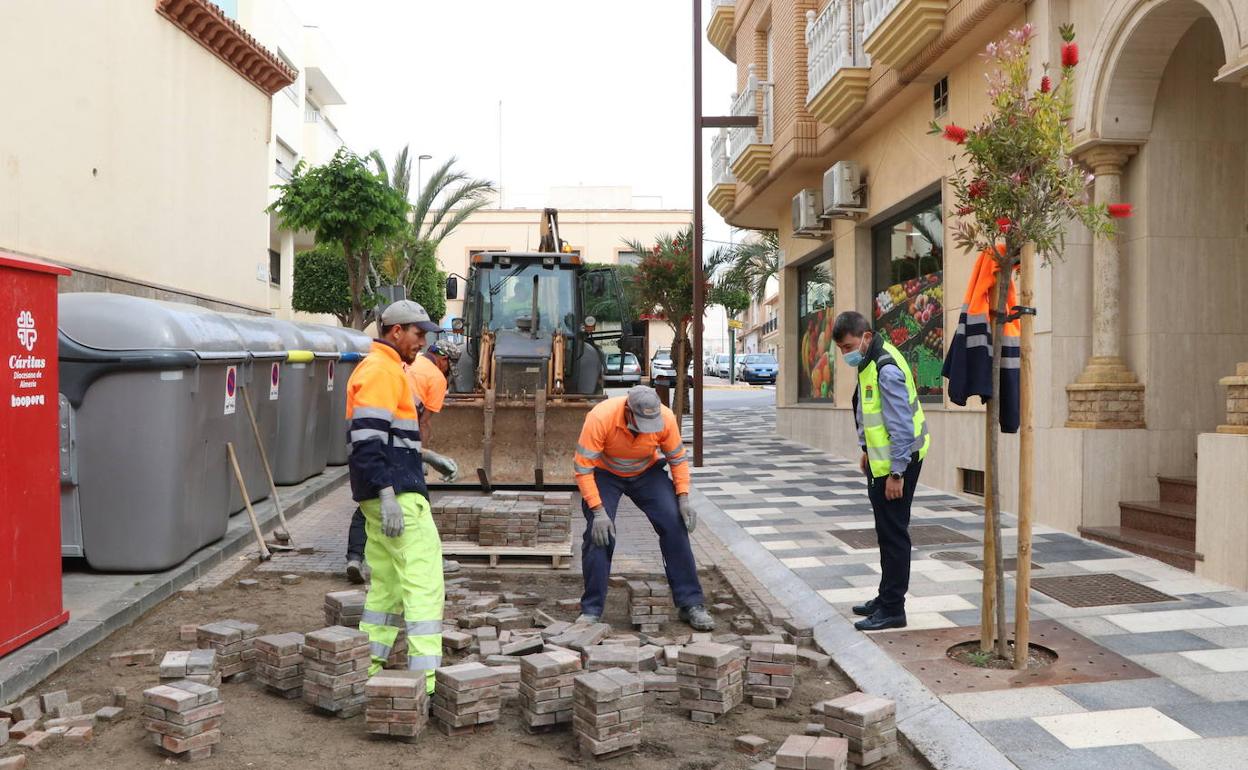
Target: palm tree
752,263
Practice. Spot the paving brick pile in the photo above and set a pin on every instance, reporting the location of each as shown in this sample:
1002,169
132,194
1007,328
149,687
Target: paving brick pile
184,718
770,673
512,523
344,608
607,712
396,704
508,680
546,689
196,665
457,518
279,664
335,669
467,698
629,658
800,633
710,679
649,604
234,642
505,518
867,722
805,752
581,636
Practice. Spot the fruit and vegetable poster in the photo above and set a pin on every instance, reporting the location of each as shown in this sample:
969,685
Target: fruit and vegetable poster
818,355
911,316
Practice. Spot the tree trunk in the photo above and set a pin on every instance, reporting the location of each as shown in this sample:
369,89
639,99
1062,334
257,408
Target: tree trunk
678,398
999,312
355,283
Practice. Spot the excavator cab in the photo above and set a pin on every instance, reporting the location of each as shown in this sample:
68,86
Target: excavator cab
538,328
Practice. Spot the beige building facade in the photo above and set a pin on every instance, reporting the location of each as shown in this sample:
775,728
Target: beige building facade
134,147
1137,338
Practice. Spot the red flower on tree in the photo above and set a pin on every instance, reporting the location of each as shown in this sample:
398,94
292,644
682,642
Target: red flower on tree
1003,224
955,133
977,189
1070,54
965,210
1046,85
1119,210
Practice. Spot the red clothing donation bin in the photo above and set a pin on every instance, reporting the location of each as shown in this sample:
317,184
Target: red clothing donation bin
30,503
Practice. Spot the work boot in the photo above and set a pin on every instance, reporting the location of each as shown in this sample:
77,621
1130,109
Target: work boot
355,573
881,620
698,618
867,609
449,567
587,618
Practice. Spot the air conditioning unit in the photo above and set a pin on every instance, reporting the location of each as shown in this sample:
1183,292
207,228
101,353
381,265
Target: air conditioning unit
843,190
806,215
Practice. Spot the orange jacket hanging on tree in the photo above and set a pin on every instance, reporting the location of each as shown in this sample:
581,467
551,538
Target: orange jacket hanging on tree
968,364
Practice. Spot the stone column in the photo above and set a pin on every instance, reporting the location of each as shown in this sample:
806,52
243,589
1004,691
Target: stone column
1236,401
1107,394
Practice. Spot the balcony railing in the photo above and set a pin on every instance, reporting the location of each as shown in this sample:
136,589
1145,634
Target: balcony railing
874,12
311,115
721,169
746,103
831,44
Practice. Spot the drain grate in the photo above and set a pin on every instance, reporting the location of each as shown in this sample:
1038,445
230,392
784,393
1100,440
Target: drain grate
953,556
1010,564
1097,590
922,535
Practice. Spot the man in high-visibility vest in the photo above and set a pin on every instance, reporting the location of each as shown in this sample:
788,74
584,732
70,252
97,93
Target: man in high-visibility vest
624,445
892,432
388,481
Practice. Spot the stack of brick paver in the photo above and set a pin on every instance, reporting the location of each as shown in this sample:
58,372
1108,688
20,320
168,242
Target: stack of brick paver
457,518
868,722
805,752
634,659
335,669
195,665
556,518
234,642
770,673
800,633
279,664
649,602
396,704
467,698
344,608
710,679
510,523
546,689
608,711
184,717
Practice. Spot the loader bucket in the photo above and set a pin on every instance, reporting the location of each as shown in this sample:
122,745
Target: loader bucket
459,433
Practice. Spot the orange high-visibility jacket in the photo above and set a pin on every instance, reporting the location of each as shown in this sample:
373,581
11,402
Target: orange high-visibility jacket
607,443
384,431
428,383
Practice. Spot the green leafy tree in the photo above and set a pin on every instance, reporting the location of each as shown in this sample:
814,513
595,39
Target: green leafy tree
321,282
751,264
345,203
1016,183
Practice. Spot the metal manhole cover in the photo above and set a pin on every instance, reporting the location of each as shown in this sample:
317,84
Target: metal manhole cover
922,535
953,556
1097,590
1010,564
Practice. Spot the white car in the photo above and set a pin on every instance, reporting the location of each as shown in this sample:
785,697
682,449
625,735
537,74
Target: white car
624,375
722,366
662,368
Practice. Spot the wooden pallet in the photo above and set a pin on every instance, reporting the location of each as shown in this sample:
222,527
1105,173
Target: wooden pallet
543,556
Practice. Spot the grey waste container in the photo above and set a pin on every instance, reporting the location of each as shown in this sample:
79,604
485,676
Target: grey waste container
266,353
352,347
324,346
302,441
149,399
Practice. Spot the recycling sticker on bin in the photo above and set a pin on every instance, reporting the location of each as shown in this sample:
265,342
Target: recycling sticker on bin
231,388
275,373
329,384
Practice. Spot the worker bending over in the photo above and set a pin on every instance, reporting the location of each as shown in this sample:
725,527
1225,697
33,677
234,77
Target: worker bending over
622,451
428,375
388,481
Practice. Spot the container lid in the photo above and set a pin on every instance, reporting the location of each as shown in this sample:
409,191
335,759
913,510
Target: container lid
350,341
319,340
121,322
259,334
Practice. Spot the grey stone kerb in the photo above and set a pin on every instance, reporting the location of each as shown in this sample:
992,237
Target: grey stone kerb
943,738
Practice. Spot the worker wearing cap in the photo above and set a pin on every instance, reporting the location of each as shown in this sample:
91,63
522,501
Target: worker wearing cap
623,450
428,377
388,481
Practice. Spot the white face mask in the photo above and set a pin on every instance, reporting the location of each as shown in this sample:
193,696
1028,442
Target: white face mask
854,357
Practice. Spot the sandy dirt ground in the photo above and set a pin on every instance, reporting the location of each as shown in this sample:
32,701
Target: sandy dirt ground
264,731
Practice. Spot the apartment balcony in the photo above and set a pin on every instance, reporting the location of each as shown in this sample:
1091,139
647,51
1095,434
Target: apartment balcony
723,183
322,68
838,70
719,30
895,31
749,149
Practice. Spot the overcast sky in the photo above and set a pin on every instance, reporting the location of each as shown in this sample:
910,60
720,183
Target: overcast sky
592,93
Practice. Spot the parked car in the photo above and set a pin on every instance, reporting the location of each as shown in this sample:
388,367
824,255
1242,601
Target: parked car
708,366
723,363
758,367
623,375
662,368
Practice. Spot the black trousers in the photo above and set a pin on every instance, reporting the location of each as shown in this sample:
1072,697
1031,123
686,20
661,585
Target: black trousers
356,538
892,529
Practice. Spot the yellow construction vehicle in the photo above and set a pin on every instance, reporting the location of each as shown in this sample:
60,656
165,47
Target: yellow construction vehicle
537,327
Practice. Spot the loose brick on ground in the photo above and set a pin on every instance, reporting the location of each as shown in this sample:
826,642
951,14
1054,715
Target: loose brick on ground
749,744
608,710
132,658
710,676
184,718
335,669
396,704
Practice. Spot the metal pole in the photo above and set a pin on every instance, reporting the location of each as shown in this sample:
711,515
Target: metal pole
699,301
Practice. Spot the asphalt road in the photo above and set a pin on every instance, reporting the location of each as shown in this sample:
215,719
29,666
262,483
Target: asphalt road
757,396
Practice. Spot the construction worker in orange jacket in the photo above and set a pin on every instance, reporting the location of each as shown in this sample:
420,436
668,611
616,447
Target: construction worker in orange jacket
622,451
388,481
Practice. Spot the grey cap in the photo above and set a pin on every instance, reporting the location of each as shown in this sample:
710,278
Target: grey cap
647,410
406,312
445,348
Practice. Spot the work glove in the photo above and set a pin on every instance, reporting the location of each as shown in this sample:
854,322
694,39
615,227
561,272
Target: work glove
391,513
442,464
602,529
687,514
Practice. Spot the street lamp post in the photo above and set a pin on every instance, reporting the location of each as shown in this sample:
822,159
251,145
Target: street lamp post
420,179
